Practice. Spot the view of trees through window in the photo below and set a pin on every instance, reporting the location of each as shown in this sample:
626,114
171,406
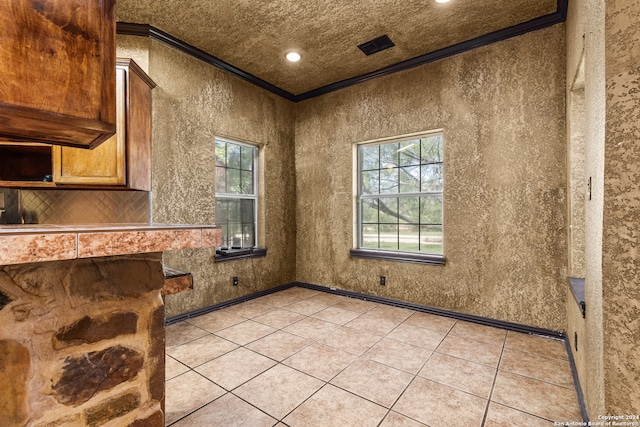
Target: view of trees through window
400,195
236,195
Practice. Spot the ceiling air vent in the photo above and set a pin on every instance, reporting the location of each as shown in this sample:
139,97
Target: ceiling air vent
376,45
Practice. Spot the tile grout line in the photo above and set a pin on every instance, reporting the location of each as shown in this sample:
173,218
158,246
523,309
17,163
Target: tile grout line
416,375
493,384
312,341
358,357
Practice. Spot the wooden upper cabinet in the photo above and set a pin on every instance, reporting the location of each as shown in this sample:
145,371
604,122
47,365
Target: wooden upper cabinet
57,68
125,158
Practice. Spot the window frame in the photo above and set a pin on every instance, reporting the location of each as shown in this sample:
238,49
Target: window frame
390,254
224,253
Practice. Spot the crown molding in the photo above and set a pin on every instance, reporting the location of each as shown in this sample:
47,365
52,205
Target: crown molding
146,30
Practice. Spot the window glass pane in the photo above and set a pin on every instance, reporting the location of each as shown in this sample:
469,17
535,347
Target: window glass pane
370,157
431,209
432,149
369,233
369,211
389,236
221,157
409,210
234,210
410,179
235,232
221,180
409,239
389,155
225,235
222,211
235,169
222,219
246,158
246,186
370,182
409,153
233,181
394,220
432,177
233,156
246,210
431,239
248,235
388,208
389,181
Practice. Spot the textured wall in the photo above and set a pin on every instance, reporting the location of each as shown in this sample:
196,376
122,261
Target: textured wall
192,103
136,48
621,241
595,101
585,35
576,186
502,111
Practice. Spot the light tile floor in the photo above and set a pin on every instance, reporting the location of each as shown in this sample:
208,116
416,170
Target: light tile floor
300,357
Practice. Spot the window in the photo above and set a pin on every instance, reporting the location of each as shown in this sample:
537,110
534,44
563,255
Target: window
236,197
399,200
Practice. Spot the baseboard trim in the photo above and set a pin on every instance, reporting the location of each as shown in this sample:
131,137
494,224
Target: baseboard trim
199,312
584,413
509,326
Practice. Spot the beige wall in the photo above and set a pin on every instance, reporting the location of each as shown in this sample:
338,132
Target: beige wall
585,43
502,111
608,363
621,219
192,104
585,33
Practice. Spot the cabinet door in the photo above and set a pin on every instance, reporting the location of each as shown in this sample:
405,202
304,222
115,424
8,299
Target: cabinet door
57,71
105,164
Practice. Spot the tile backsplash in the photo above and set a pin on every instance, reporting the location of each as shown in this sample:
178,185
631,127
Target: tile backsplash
76,206
9,206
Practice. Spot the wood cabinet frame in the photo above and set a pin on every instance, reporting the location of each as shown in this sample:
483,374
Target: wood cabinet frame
58,71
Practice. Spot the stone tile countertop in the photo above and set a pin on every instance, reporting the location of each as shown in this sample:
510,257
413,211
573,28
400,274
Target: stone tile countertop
51,242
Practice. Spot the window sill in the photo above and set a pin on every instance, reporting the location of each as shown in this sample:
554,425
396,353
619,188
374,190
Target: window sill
233,254
431,259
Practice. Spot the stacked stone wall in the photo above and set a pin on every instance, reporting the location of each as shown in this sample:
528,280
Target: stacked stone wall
82,343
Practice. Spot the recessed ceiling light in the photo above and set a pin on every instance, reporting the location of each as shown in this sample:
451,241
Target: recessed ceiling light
292,56
442,1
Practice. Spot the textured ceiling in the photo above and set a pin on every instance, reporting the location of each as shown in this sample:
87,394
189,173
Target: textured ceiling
254,35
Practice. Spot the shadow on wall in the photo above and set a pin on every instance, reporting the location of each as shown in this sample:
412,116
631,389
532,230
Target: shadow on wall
10,206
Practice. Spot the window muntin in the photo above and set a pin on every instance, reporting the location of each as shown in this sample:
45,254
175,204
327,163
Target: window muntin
236,193
400,188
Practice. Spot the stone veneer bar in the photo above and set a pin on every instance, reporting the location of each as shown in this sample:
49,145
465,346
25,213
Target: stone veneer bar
82,322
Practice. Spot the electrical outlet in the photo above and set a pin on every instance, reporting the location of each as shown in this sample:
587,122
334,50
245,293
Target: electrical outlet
383,281
235,280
